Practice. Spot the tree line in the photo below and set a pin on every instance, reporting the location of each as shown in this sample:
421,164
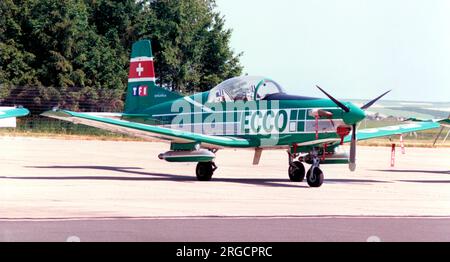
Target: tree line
75,53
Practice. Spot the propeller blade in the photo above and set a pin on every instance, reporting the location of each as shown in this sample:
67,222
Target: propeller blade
345,108
352,160
369,104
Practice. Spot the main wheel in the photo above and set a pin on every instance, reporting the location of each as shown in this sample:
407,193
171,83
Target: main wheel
204,171
314,177
296,171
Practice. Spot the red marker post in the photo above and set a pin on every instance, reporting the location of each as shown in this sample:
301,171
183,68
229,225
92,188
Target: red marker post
393,155
317,126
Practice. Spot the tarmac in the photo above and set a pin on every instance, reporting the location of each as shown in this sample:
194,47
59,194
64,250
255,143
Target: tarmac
51,189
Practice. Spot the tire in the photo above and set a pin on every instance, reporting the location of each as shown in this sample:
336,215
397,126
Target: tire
296,171
204,171
315,180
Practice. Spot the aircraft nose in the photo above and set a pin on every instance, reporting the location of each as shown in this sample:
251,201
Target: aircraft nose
355,115
359,113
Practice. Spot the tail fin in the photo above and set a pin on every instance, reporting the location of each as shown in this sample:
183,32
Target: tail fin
142,91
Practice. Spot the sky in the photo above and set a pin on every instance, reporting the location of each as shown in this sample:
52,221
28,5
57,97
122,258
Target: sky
354,49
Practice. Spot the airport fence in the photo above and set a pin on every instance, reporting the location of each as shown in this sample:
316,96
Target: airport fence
39,99
36,124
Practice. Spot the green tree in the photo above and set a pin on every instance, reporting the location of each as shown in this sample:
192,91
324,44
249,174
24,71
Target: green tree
75,53
190,45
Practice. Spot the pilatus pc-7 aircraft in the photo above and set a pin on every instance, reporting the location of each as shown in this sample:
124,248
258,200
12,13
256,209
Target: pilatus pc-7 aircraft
241,112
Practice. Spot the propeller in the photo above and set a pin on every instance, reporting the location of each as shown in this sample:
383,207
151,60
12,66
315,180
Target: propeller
369,104
347,109
344,107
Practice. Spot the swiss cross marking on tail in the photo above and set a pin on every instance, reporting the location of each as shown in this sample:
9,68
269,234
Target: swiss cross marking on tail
140,91
141,69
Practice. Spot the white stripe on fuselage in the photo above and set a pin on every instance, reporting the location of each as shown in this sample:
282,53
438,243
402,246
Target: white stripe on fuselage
196,112
234,128
319,141
195,103
259,122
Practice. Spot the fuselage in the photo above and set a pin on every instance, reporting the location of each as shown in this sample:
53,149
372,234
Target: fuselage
263,122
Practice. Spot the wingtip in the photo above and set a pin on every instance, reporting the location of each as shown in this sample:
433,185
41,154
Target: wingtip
56,113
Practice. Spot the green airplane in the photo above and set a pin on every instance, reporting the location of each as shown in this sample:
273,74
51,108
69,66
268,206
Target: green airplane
243,112
444,122
13,112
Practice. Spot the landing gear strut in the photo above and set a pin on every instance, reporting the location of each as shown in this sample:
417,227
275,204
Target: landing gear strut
205,170
314,176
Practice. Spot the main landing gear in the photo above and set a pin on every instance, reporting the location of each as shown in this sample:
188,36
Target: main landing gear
205,170
314,176
296,171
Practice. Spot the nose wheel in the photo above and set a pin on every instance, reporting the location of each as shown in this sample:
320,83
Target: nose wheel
314,177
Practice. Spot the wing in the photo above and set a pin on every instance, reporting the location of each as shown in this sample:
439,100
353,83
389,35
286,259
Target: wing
369,133
146,131
443,121
16,112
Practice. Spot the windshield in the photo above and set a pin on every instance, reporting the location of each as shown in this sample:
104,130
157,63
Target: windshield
244,88
267,87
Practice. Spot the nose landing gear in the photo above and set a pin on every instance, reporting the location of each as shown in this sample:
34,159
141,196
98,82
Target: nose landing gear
296,171
314,177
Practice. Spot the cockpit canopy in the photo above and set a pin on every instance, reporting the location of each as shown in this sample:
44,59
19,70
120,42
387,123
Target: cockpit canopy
246,88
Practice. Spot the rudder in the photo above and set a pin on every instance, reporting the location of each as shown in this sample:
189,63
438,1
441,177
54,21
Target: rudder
142,91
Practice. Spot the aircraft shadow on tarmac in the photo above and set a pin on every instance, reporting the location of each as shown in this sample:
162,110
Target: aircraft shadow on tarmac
445,172
427,181
270,182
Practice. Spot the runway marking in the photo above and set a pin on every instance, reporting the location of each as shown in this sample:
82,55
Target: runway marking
222,217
